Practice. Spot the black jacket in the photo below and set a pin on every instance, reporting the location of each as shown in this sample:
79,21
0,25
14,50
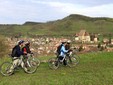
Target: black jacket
17,51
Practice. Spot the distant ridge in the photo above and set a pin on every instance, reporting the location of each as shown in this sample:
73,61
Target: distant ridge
82,17
77,17
31,23
72,17
67,26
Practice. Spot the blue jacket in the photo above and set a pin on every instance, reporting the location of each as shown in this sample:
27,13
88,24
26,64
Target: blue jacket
63,51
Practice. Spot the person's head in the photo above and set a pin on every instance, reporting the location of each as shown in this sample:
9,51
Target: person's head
21,43
27,43
64,43
68,42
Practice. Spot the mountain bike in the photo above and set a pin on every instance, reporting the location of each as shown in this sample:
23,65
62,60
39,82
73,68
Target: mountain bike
71,59
31,64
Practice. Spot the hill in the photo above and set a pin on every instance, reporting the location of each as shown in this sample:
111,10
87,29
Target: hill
66,26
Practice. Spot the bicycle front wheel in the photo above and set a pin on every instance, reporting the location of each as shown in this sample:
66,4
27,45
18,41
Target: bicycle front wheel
5,69
53,63
32,65
73,60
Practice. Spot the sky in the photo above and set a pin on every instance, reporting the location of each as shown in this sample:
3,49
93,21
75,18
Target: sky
20,11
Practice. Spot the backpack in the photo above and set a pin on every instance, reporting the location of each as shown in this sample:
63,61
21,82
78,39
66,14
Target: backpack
58,49
13,54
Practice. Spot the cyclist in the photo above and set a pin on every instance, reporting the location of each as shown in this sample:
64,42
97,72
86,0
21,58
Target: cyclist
26,48
68,47
17,56
63,52
26,51
58,49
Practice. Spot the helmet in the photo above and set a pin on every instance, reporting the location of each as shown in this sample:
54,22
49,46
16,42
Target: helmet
63,42
20,42
27,43
69,41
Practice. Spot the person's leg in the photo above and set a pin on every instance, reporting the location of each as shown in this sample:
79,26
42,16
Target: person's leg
70,59
57,60
65,62
25,58
22,64
15,64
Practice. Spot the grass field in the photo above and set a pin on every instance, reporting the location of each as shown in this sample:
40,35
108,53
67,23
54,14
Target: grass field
93,69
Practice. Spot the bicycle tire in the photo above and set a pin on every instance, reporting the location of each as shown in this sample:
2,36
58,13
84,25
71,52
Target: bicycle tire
53,63
5,67
32,65
74,60
32,57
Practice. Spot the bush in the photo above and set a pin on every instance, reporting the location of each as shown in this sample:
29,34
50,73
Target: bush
3,46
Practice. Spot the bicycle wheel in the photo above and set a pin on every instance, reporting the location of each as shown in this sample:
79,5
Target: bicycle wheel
32,65
53,63
5,67
36,60
73,60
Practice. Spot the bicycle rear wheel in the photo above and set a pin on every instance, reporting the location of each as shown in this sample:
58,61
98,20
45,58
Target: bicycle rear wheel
5,67
73,60
32,65
53,63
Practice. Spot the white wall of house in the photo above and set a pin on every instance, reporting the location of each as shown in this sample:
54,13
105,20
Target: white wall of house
84,38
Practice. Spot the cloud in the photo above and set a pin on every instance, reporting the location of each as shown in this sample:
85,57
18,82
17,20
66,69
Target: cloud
98,11
61,7
71,8
19,11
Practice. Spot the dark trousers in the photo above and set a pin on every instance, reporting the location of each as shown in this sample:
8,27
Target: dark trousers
64,61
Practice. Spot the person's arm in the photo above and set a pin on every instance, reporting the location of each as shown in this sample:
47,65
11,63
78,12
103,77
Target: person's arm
24,51
19,52
29,51
64,50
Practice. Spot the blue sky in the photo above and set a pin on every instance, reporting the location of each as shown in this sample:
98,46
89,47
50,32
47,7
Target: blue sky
20,11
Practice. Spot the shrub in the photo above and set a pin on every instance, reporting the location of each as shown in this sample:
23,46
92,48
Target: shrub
3,46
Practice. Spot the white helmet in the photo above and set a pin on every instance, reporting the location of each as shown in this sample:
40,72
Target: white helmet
69,41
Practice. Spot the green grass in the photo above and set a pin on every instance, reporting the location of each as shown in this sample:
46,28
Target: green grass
93,69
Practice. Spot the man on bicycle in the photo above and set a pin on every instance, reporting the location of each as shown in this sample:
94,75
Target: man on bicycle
26,51
17,55
63,52
68,47
26,48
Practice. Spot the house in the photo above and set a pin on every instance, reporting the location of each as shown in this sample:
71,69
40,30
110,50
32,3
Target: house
94,37
83,36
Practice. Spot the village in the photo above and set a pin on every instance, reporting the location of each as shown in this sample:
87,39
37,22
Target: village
83,41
